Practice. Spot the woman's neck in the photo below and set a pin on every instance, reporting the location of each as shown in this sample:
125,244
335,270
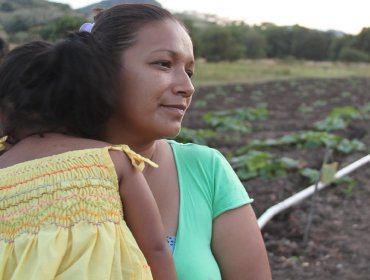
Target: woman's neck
144,147
146,150
117,133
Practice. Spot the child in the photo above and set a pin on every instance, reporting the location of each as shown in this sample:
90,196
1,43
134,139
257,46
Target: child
62,194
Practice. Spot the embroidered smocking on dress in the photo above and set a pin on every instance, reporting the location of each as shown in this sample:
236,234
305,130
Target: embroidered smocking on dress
61,217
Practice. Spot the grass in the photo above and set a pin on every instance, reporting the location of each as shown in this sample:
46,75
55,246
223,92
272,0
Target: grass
267,70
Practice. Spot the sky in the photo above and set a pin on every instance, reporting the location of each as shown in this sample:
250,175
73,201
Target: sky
343,15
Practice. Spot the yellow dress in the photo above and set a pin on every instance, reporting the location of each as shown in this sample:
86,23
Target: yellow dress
61,217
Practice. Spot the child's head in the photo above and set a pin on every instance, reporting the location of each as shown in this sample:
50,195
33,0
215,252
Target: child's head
11,90
67,87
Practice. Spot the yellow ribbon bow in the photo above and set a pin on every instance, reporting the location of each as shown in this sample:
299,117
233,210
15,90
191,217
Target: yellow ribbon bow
138,161
2,143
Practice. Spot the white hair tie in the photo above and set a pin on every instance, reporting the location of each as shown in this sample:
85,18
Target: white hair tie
87,27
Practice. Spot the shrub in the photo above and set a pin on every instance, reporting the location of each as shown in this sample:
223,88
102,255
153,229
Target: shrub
353,55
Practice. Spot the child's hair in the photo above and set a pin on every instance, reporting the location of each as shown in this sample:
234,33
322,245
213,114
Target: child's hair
10,87
68,87
4,48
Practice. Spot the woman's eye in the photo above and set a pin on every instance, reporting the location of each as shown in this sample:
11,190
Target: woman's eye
164,63
190,73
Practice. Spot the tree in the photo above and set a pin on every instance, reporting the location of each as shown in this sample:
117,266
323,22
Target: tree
17,23
255,42
279,40
363,40
6,7
352,55
194,33
339,43
310,44
60,26
221,44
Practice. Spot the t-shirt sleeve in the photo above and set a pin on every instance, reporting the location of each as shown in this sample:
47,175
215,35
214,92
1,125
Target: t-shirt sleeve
229,192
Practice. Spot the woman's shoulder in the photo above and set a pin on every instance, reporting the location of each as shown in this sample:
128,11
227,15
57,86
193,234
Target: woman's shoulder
191,147
195,151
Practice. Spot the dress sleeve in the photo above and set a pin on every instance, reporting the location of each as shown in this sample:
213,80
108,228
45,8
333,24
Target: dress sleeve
137,160
229,192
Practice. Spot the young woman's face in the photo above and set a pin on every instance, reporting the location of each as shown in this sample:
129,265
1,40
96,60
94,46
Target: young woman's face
156,86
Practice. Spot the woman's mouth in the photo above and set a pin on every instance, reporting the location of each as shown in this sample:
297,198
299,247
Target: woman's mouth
178,109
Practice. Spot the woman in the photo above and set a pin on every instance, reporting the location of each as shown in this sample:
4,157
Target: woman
204,207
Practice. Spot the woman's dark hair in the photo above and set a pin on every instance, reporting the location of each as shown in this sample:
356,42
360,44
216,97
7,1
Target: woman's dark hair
68,87
116,28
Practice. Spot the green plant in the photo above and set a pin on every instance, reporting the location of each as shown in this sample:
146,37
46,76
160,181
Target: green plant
236,119
261,164
305,109
346,113
210,96
308,139
338,118
200,104
256,95
365,110
345,94
347,146
312,175
229,100
238,88
199,136
227,123
330,124
294,258
347,184
319,103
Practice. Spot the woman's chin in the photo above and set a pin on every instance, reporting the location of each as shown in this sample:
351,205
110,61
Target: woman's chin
172,132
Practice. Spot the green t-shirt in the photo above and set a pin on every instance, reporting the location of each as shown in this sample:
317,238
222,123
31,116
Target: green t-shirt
208,187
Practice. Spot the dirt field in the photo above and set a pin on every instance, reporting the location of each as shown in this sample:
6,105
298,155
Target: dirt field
338,245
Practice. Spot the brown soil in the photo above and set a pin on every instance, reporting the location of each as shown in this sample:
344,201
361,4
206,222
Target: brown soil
338,246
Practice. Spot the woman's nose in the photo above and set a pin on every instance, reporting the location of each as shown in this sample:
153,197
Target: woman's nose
183,84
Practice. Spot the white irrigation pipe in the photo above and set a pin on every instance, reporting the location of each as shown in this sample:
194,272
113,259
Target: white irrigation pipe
298,197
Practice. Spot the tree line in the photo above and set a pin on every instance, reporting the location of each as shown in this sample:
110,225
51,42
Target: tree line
214,39
236,40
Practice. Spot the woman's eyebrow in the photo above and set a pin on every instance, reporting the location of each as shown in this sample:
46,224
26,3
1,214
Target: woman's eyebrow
172,52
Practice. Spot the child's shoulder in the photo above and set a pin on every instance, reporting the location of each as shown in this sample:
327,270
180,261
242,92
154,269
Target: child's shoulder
71,144
34,151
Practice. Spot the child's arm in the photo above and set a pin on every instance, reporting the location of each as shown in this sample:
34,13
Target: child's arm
143,219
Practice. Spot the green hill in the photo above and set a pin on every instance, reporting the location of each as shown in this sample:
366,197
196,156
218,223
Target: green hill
31,12
20,20
25,20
